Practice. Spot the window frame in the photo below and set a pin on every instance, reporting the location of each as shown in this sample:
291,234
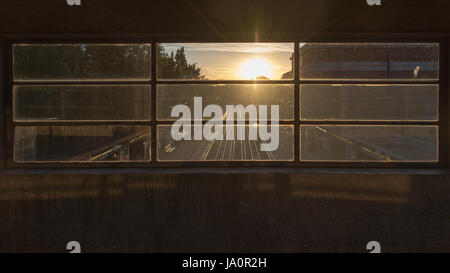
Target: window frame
442,123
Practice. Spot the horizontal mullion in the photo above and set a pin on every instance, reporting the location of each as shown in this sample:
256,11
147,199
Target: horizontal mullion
130,82
247,122
224,164
368,164
74,123
126,38
362,82
84,82
80,40
366,122
112,82
225,82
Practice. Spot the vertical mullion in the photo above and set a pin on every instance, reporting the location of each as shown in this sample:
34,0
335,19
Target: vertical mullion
443,104
296,102
153,101
4,76
7,52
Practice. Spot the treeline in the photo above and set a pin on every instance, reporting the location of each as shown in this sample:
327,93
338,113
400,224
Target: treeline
81,61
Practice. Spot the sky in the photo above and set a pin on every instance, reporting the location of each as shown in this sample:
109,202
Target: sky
238,61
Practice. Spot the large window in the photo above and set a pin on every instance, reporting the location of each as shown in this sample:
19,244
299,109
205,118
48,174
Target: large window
286,103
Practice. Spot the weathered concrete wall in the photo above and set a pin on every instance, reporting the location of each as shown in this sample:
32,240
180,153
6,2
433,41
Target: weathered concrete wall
208,212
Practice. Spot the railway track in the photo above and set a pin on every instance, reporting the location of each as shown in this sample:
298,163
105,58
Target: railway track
235,150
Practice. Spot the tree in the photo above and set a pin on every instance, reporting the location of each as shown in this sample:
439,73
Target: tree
80,61
176,66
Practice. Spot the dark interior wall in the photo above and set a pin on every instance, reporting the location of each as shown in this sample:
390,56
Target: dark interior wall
248,19
226,209
227,212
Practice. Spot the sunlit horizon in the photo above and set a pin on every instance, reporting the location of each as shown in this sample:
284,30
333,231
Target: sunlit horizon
237,61
256,68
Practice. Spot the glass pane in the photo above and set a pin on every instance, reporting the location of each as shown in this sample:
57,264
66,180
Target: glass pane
223,95
48,62
398,61
229,143
82,143
369,102
82,102
369,143
225,61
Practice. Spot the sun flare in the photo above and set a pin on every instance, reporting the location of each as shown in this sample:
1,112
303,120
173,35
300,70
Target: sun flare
255,69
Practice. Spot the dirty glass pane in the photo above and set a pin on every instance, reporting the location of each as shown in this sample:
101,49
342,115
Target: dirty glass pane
82,143
169,96
225,61
369,143
369,61
369,102
56,62
228,147
82,102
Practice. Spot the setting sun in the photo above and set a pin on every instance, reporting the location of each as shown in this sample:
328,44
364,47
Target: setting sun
254,69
